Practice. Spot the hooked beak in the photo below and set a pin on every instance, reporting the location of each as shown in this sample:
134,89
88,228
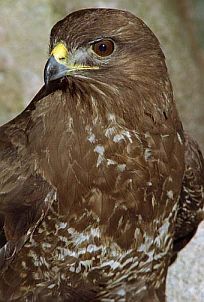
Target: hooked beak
56,66
54,70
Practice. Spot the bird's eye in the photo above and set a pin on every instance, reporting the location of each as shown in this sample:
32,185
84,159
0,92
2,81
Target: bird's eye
103,48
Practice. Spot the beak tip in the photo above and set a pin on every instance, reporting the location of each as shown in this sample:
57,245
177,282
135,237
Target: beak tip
47,71
46,80
53,70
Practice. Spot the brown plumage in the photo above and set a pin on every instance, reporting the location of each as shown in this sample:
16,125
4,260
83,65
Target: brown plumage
191,202
91,172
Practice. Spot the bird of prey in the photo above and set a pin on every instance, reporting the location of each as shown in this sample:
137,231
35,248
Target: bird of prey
97,178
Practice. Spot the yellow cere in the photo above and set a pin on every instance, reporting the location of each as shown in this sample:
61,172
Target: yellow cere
60,52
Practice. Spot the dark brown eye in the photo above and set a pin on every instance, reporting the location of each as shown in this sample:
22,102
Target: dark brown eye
103,48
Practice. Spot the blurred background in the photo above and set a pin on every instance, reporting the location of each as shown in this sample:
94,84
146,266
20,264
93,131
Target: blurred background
179,25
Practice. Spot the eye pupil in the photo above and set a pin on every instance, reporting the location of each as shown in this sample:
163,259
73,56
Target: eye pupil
103,48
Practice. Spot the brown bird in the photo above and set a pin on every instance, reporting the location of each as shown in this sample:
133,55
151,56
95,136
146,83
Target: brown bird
91,172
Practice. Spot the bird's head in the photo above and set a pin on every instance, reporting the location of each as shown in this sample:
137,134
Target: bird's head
106,45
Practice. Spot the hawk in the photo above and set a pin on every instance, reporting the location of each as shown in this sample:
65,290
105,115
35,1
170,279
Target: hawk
98,178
